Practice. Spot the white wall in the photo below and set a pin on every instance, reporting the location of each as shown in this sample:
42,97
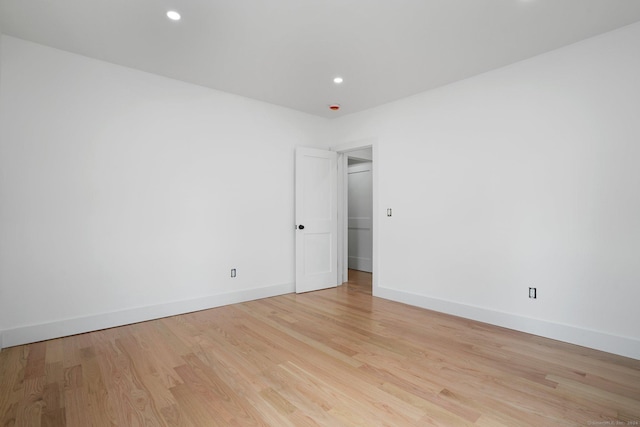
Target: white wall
126,196
524,176
1,334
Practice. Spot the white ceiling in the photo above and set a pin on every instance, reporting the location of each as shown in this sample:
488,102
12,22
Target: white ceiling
287,52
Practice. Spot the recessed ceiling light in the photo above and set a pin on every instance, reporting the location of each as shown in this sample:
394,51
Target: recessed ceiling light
173,15
338,80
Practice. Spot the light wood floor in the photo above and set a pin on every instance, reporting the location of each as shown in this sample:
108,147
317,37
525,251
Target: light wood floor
327,358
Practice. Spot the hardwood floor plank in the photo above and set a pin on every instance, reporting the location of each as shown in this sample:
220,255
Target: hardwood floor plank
435,413
194,410
76,407
337,357
54,418
174,416
55,351
128,400
53,410
198,386
241,410
94,389
13,362
29,411
36,361
338,403
72,377
305,339
54,374
306,400
617,402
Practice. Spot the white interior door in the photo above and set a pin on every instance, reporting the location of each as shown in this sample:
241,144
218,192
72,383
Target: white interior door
316,219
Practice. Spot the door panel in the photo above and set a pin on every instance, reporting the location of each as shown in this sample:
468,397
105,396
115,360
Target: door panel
316,212
319,244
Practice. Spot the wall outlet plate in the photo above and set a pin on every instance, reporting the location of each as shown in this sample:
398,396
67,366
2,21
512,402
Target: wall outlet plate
532,293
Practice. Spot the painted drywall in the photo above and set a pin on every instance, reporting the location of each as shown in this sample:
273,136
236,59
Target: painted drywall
526,176
126,196
1,296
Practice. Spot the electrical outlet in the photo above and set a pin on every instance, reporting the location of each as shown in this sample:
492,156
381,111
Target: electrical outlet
233,272
532,293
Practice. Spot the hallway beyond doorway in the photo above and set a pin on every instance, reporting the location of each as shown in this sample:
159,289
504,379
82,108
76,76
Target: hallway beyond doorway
359,281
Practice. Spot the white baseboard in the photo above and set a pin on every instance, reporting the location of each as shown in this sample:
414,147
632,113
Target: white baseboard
623,346
61,328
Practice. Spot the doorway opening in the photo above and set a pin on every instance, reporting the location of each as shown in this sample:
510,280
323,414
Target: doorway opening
322,216
356,237
359,282
359,213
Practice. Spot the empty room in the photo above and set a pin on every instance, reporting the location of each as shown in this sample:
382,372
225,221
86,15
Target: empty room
319,213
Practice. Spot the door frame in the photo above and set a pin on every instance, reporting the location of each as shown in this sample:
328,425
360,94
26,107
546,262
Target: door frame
343,254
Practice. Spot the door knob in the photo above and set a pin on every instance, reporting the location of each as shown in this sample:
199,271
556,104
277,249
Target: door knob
301,227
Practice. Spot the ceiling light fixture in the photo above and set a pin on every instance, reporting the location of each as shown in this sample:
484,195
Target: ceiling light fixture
338,80
173,15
